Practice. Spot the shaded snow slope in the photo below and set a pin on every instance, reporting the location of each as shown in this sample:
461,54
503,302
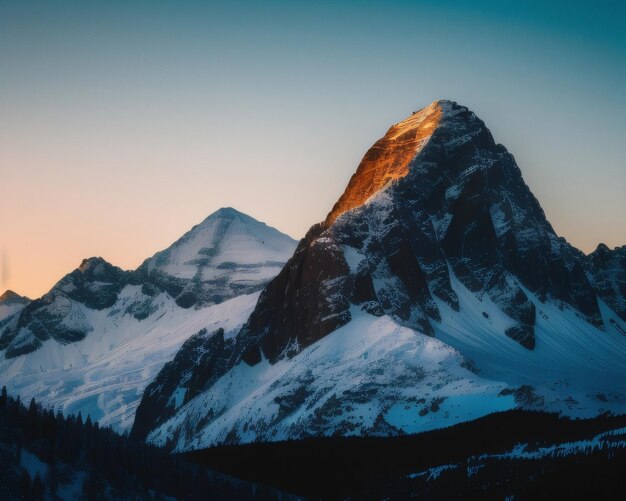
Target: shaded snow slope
371,376
104,375
575,368
375,377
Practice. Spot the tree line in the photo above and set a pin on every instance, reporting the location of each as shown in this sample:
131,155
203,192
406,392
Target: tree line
106,465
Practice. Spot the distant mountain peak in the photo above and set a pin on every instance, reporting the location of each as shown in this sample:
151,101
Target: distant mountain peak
227,212
93,265
223,213
225,239
602,248
10,296
229,254
129,323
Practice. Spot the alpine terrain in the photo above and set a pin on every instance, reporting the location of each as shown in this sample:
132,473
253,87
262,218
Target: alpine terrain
101,334
434,292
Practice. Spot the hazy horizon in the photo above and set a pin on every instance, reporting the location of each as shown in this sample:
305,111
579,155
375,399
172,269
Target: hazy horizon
125,124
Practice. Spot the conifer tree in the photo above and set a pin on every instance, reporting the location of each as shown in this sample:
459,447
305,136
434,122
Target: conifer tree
37,491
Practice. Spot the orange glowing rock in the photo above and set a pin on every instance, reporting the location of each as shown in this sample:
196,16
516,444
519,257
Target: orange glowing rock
388,159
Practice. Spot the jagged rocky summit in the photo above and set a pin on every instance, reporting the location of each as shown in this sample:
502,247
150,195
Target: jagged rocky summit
457,204
436,235
11,304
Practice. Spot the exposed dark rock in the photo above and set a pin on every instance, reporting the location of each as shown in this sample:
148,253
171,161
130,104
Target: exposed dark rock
94,284
523,335
193,367
11,297
607,271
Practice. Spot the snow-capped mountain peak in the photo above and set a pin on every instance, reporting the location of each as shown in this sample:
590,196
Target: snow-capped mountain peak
95,265
227,254
11,304
225,240
101,334
436,233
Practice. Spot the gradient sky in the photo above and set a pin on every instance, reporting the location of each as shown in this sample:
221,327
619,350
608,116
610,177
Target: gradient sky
122,124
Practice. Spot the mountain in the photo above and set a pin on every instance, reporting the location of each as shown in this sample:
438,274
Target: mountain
101,334
434,292
11,304
226,255
10,298
57,315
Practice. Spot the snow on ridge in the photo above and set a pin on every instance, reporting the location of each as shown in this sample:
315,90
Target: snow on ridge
102,334
373,376
225,237
104,375
368,377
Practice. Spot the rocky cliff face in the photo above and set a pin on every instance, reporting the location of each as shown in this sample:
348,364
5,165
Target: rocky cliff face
56,315
388,160
461,207
435,209
182,379
11,304
607,271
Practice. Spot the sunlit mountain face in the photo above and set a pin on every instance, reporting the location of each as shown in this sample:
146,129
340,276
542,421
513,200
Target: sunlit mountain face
388,159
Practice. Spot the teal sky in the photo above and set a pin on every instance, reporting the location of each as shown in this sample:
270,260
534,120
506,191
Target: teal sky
122,124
